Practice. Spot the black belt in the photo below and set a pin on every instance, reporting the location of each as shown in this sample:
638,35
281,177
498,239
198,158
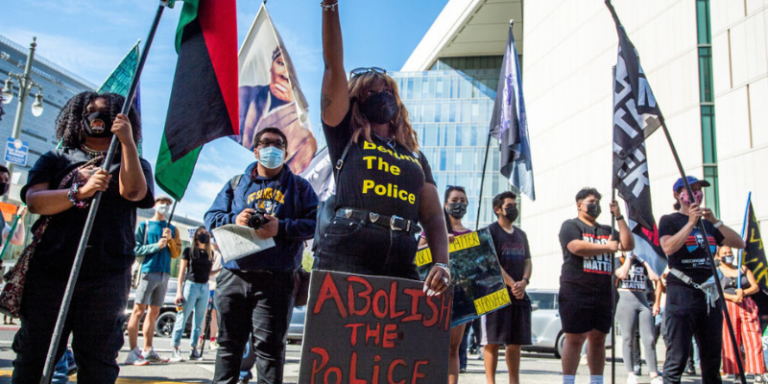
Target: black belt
393,223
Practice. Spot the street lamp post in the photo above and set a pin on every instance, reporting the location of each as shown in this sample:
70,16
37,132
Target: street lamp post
25,86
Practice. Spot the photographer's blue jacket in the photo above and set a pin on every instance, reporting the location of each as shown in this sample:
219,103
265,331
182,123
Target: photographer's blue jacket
286,196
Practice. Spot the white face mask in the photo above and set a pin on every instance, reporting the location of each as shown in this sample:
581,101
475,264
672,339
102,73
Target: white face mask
161,209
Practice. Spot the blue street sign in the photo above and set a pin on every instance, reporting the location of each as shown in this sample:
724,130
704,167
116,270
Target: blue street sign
16,151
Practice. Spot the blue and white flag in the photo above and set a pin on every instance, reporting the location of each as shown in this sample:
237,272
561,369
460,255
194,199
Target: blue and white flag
509,123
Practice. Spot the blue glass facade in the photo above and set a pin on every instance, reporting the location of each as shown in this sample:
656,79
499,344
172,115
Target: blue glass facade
450,110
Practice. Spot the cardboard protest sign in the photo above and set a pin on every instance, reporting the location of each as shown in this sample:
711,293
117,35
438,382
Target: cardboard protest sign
476,273
373,329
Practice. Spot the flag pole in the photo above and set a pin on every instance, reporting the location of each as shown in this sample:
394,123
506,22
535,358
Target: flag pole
67,299
173,209
482,181
743,230
613,259
707,249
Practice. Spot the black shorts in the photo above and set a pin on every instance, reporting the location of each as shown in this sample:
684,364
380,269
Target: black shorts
582,312
510,325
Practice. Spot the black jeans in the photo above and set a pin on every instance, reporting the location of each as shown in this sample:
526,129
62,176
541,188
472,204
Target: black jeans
707,329
95,319
260,302
352,246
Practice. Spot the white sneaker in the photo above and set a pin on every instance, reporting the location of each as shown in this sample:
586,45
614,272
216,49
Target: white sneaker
136,358
631,379
176,356
657,380
583,360
153,357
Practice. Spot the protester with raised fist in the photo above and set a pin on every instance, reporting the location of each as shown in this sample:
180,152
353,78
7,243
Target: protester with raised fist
744,316
384,184
692,309
60,188
586,308
509,326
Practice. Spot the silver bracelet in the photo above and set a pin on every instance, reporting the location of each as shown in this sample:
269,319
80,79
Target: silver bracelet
718,224
331,7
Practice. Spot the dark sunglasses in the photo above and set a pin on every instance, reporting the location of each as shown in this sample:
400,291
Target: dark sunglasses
364,70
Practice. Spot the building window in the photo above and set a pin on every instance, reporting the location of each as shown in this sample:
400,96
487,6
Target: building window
705,75
711,196
708,135
704,33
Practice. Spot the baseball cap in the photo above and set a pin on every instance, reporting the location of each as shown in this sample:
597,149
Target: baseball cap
691,180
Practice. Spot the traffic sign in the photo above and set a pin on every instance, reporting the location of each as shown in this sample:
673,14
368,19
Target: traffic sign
16,151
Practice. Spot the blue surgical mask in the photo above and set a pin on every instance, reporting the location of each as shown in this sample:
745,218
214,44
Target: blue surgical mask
271,157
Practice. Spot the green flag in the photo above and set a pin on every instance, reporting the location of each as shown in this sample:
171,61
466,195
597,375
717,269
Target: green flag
119,81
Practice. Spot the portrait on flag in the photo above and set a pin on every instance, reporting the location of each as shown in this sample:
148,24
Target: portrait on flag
269,94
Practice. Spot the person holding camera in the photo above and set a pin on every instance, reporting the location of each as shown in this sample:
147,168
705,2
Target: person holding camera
255,293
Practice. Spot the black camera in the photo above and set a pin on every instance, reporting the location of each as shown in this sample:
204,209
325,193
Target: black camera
257,220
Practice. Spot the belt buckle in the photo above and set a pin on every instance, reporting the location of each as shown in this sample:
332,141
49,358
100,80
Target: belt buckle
392,222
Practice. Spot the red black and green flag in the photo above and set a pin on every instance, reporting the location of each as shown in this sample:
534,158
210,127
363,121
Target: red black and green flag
204,103
753,255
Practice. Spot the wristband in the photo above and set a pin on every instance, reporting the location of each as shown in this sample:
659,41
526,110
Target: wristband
620,218
527,280
444,265
718,224
72,196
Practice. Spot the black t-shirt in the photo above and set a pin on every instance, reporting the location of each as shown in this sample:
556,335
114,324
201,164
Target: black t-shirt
691,258
199,265
512,250
586,274
381,177
111,244
637,279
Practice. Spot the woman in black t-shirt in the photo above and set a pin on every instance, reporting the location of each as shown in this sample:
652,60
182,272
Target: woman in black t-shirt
60,187
687,311
385,186
192,292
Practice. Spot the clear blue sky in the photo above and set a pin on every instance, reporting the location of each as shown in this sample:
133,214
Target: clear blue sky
89,38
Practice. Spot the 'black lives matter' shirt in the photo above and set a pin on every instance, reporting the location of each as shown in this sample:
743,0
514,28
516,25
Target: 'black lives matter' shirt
377,177
587,274
637,279
512,250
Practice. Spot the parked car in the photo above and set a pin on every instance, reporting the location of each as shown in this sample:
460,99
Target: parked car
296,327
546,329
167,317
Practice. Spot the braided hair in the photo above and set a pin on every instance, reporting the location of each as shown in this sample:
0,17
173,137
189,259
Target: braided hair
69,122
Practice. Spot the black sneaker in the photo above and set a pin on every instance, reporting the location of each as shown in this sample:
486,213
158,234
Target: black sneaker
194,354
690,369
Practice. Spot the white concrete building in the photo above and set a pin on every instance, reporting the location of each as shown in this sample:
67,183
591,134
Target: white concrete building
707,63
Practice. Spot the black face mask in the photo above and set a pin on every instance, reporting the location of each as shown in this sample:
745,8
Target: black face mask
203,238
511,213
4,187
98,124
593,210
380,108
457,210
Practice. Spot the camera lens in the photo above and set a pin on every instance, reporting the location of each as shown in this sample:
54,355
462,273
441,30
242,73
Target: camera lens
256,221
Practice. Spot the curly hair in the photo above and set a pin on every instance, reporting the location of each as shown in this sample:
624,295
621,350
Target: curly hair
69,122
401,127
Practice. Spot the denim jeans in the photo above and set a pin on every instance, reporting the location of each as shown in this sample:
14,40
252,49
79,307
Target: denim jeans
260,302
61,369
195,299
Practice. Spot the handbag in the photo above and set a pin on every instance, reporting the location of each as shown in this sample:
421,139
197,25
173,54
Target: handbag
326,210
16,278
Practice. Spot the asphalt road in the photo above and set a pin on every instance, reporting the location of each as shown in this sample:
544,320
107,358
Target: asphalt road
535,367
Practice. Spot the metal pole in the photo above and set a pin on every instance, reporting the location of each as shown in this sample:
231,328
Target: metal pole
743,230
482,182
173,209
703,231
24,86
50,358
613,264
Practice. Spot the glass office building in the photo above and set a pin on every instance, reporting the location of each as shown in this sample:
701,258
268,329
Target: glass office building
450,109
